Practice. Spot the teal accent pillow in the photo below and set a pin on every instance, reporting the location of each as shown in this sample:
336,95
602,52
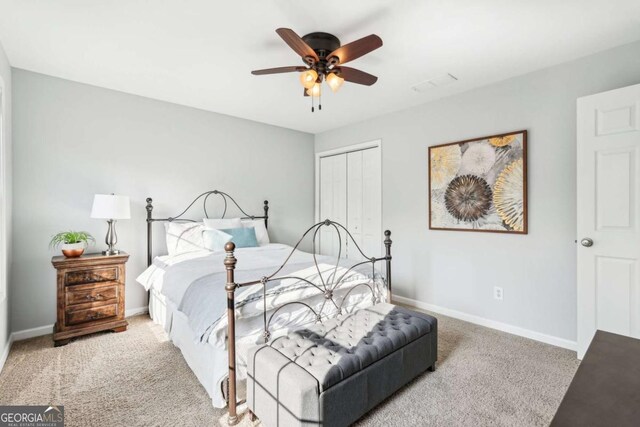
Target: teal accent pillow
244,237
214,240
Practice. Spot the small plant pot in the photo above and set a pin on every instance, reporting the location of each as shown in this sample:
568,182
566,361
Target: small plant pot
72,250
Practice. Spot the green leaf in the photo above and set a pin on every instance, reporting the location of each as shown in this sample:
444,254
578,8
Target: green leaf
70,237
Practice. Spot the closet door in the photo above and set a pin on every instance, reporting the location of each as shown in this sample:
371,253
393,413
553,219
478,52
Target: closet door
372,203
364,211
333,202
355,206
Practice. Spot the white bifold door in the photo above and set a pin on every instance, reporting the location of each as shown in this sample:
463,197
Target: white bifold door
608,202
333,202
350,194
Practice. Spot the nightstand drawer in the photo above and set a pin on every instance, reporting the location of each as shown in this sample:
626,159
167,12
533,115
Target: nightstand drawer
94,275
82,295
91,314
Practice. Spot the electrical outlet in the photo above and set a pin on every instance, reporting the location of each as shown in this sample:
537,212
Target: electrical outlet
497,293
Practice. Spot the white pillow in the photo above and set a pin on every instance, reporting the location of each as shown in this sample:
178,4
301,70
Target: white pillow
222,223
184,237
261,230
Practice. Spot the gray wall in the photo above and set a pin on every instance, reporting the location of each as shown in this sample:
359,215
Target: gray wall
5,262
73,140
458,270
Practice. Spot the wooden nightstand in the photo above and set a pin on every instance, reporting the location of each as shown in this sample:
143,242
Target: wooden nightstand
90,295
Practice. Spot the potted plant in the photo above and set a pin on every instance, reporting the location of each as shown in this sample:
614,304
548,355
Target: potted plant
72,243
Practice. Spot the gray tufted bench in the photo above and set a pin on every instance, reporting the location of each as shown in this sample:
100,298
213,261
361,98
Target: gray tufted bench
334,372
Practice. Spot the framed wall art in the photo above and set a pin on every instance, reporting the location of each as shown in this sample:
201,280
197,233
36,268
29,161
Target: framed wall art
479,184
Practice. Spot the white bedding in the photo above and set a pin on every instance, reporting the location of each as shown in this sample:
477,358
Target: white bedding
186,267
170,277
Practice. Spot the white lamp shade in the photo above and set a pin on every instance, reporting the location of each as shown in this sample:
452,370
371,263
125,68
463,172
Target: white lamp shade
111,206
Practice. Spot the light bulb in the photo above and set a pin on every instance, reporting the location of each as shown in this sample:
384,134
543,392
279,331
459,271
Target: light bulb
334,81
308,78
314,90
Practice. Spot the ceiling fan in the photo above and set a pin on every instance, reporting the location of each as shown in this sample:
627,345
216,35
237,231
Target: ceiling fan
323,57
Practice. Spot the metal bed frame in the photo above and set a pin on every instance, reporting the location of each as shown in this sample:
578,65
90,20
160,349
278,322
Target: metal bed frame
326,287
179,218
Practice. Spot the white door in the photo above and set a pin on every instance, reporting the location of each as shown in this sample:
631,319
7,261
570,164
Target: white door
608,214
363,204
333,203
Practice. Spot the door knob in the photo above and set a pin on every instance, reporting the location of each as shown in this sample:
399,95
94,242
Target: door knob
586,242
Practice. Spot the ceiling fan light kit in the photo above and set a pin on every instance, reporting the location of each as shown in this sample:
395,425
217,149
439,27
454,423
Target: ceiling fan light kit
308,78
323,56
314,90
334,81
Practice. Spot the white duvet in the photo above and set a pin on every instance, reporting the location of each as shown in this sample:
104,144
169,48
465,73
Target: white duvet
171,276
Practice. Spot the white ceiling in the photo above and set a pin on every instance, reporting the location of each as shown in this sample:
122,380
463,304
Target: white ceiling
200,53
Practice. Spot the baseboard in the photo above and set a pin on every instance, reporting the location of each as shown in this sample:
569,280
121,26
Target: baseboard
135,311
31,333
493,324
5,352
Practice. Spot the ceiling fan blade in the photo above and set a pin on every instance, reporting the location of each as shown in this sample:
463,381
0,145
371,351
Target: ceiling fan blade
356,76
305,92
278,70
296,43
355,50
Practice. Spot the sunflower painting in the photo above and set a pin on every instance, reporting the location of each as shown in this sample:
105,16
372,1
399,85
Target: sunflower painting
479,184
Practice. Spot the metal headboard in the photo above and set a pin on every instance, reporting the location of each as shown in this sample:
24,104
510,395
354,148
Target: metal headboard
326,288
180,217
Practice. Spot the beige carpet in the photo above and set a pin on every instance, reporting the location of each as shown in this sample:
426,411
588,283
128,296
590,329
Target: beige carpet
138,378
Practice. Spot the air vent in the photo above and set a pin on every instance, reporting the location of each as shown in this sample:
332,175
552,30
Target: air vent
445,79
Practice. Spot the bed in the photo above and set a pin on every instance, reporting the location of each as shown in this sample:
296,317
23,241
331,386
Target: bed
214,311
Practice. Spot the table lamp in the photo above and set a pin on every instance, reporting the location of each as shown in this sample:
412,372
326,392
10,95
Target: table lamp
111,207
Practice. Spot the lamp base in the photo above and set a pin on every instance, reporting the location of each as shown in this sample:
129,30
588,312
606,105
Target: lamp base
111,239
